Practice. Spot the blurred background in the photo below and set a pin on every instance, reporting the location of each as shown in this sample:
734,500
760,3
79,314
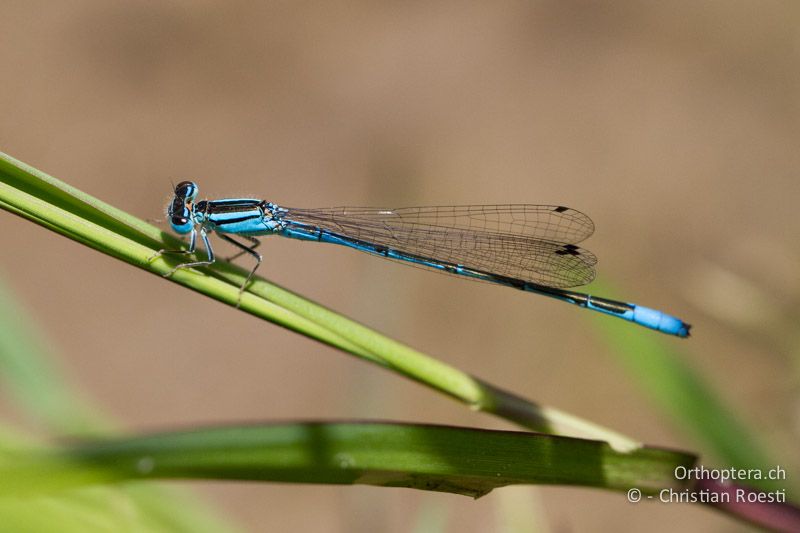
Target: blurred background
675,126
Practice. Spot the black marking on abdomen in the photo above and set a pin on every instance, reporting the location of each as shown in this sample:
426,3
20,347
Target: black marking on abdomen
612,306
233,205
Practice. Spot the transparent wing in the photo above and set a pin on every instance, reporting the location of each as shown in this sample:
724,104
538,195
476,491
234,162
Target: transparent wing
534,243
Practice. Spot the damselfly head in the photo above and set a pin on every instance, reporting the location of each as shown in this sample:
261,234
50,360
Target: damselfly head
180,208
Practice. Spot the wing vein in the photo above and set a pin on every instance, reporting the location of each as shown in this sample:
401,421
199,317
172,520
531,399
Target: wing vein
535,243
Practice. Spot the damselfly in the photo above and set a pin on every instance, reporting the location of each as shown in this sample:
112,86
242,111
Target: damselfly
528,247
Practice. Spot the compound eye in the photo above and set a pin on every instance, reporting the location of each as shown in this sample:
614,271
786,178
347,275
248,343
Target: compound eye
186,189
181,224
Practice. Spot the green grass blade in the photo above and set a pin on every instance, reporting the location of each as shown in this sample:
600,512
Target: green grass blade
438,458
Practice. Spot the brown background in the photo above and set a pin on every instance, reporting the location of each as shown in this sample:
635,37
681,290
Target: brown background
674,125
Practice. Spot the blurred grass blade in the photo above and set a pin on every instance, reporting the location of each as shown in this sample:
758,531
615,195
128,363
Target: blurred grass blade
40,391
108,508
464,461
679,391
32,379
121,507
34,195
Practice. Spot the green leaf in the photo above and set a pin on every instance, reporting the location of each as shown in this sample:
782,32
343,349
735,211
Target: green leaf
438,458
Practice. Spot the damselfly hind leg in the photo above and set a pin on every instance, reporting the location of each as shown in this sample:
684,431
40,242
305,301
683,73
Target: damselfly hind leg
245,249
251,250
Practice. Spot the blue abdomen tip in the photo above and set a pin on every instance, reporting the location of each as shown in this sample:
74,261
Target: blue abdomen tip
653,319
